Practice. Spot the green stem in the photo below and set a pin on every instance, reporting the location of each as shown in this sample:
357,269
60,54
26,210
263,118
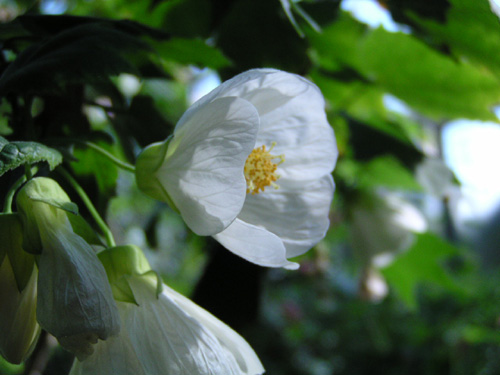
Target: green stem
9,198
110,241
7,204
123,165
27,172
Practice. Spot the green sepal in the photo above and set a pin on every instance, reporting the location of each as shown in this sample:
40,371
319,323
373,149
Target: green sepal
154,278
120,263
123,262
122,291
147,164
11,239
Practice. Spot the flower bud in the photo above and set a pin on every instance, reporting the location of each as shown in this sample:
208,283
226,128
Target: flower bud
19,329
75,302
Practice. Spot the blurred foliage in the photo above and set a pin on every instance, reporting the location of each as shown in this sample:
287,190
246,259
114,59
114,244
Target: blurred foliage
117,73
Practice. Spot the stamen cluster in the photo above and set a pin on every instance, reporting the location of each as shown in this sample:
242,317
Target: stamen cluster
260,169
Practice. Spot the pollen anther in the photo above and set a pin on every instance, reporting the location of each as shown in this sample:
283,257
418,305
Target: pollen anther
260,169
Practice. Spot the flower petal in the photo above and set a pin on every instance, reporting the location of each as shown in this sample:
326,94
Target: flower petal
255,244
167,335
203,170
302,133
299,216
115,356
244,354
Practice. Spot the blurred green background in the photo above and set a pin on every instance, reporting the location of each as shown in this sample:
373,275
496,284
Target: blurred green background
406,280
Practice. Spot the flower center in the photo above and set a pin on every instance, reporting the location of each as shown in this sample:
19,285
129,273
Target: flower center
260,169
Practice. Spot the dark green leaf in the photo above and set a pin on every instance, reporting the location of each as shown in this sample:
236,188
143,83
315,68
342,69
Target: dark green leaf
15,154
86,53
36,25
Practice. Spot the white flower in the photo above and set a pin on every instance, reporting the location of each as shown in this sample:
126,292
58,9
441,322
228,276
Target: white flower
382,225
169,335
250,163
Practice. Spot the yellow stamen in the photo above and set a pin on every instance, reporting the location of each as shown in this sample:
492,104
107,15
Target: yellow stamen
260,169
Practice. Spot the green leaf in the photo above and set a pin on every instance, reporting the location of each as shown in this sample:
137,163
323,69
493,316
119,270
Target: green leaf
338,44
388,172
430,82
480,335
192,51
15,154
422,264
348,93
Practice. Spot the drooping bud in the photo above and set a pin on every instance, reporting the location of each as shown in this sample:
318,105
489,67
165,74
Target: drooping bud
75,302
19,329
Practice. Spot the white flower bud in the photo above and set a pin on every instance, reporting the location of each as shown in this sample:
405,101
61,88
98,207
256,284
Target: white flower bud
75,302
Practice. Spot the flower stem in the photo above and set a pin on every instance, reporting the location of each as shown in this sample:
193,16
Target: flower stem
9,198
110,241
120,163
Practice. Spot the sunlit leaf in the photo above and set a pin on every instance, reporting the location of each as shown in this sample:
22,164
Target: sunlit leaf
385,171
471,30
431,83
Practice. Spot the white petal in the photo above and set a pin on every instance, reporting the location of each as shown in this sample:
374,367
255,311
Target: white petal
168,335
241,84
244,354
302,133
298,216
168,340
255,244
203,171
115,356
